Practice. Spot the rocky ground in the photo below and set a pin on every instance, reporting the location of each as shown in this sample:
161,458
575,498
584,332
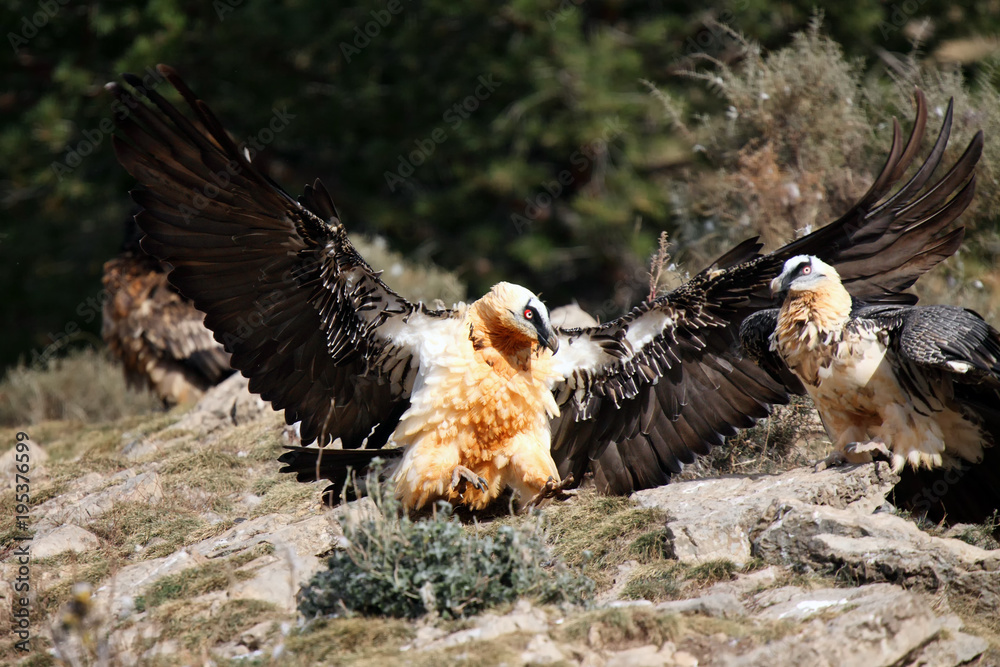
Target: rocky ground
194,548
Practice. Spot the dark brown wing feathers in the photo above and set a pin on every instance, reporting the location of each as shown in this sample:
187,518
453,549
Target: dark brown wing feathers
701,391
268,271
905,230
289,296
924,342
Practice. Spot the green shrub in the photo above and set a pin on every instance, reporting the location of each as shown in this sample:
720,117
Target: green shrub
393,565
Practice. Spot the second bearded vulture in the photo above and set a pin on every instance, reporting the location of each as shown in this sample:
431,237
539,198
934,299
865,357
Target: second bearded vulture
470,400
918,385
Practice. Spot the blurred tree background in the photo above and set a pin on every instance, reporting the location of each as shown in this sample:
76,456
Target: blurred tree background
544,142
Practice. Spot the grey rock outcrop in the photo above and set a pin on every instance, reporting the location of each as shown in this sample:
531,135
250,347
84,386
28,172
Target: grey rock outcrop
229,403
63,539
876,547
712,519
870,626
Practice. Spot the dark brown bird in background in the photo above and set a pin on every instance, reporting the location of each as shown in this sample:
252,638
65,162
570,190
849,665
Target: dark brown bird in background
159,336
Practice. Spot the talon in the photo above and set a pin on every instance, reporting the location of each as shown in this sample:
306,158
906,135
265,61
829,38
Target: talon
835,459
856,452
460,475
554,490
872,450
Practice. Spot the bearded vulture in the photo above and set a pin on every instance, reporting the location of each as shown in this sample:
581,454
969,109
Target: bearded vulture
159,336
914,384
470,400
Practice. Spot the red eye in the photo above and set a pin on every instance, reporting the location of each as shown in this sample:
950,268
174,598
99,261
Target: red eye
806,270
528,314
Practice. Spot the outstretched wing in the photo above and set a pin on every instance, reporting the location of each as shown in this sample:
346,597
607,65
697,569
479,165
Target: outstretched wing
644,394
305,318
647,392
886,241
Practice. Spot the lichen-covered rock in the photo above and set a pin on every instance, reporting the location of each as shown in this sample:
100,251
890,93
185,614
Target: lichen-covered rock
84,504
712,519
876,547
63,539
870,626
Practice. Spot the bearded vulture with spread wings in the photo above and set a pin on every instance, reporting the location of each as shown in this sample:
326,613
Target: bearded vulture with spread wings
912,384
468,401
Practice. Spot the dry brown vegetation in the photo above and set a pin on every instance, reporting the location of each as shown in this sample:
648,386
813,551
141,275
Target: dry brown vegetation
84,385
805,134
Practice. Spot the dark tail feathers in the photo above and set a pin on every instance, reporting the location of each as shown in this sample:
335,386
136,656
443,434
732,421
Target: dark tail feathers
332,464
966,494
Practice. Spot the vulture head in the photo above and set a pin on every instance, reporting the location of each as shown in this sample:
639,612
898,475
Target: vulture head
513,313
804,273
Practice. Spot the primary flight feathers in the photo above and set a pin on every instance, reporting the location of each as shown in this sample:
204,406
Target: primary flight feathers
488,395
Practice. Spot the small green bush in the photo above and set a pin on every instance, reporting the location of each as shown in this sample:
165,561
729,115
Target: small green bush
396,566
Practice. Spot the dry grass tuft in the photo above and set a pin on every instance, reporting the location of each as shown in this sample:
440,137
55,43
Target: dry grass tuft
215,575
198,626
656,583
598,533
985,535
788,439
85,386
137,531
340,639
623,628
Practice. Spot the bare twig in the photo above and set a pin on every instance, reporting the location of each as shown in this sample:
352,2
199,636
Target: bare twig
659,261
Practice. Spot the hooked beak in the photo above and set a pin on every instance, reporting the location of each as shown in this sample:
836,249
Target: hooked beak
779,285
548,338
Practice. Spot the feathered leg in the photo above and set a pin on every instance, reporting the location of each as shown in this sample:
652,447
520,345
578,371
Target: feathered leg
532,473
